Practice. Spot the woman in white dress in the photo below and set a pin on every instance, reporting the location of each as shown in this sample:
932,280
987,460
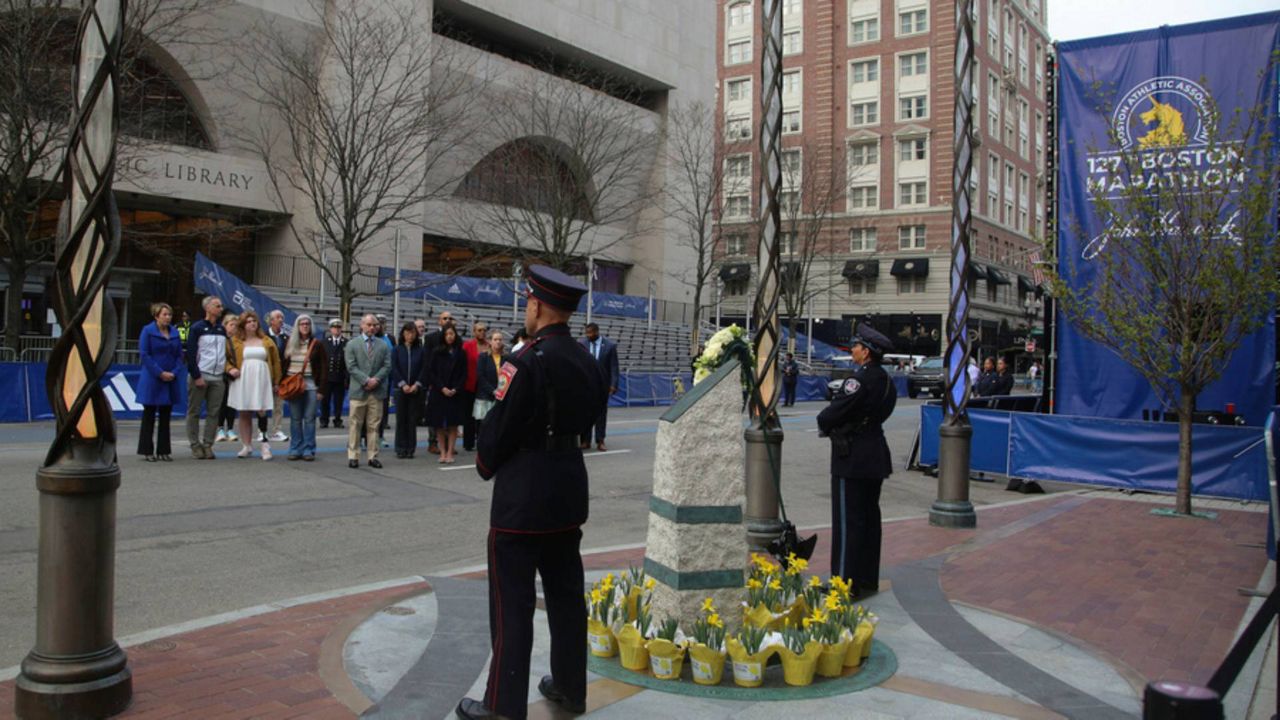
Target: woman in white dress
254,366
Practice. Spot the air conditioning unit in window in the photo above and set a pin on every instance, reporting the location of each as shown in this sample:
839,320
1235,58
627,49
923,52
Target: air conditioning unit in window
1039,180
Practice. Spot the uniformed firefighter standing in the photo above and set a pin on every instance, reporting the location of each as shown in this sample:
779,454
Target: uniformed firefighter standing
860,462
549,393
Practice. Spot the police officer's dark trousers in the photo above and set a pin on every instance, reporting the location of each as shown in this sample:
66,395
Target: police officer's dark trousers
788,392
855,531
513,559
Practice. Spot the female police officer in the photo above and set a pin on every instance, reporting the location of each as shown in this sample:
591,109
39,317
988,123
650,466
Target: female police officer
860,462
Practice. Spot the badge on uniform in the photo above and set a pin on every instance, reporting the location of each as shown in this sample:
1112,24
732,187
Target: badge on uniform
851,386
505,374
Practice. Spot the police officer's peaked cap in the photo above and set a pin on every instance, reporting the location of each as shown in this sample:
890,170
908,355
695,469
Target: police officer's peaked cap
872,340
555,288
335,322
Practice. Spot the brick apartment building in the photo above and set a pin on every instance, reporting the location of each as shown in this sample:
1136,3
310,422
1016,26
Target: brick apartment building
868,93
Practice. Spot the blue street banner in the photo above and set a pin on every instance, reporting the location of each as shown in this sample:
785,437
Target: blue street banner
1154,89
494,291
237,295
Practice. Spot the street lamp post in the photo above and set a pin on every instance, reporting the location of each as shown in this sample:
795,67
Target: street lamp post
76,669
515,291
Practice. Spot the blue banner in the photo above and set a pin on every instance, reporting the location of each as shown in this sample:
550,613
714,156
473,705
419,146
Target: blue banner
1129,89
493,291
237,295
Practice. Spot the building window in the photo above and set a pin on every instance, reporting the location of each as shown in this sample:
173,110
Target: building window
737,129
790,166
913,108
993,26
993,292
789,202
862,240
739,52
862,154
862,286
739,15
736,287
993,105
737,167
737,206
862,197
791,7
791,42
1008,212
864,113
866,30
735,244
738,90
791,83
993,203
911,285
914,64
787,243
911,193
864,71
912,22
791,121
911,237
912,149
1038,139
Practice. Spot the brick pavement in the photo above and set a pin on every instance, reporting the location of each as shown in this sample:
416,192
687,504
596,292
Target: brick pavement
1156,593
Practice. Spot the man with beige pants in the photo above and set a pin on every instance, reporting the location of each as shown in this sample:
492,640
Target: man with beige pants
368,365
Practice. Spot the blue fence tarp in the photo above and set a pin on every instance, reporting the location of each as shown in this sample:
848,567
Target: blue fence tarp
495,291
237,295
1227,461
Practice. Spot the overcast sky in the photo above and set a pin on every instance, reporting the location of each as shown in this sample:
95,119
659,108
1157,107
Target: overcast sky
1074,19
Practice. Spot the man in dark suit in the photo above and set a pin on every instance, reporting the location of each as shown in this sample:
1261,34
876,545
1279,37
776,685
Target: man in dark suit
331,405
431,341
546,395
605,352
860,462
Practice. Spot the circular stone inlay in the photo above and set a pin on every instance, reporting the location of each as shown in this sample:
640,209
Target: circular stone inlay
877,668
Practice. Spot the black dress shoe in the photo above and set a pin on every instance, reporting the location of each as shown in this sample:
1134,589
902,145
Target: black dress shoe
337,424
324,424
475,710
376,464
1015,485
552,693
1031,487
353,463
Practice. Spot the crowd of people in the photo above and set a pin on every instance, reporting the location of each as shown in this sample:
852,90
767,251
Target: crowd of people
238,373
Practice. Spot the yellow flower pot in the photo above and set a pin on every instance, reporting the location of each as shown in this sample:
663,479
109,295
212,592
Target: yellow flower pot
762,617
600,639
798,669
666,659
831,662
748,669
860,646
632,603
796,613
631,646
707,664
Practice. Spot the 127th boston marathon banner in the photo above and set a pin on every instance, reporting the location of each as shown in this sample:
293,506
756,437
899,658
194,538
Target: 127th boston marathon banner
1149,100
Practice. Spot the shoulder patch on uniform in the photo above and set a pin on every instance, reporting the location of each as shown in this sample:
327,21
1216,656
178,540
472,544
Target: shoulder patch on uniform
850,386
505,374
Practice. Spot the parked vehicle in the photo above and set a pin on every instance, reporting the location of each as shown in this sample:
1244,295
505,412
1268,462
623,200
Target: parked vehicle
926,377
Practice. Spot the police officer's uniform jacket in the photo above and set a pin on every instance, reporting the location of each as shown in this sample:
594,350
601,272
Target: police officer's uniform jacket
548,393
854,422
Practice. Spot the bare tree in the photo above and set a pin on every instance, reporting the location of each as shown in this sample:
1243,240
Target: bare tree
570,172
37,49
812,186
360,117
696,164
1186,264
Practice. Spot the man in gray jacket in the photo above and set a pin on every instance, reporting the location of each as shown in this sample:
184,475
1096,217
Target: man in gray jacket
368,366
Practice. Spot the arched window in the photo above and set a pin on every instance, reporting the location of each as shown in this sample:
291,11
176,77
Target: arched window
529,173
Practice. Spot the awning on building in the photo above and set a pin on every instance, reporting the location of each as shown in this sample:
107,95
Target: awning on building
1025,284
995,277
735,271
910,267
861,269
977,271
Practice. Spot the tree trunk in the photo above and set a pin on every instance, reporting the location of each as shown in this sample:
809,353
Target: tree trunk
1186,406
696,334
344,292
791,335
13,307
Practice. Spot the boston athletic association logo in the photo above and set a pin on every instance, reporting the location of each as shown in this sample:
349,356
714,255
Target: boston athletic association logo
1163,112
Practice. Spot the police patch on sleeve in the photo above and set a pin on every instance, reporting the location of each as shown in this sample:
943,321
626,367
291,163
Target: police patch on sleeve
505,374
851,386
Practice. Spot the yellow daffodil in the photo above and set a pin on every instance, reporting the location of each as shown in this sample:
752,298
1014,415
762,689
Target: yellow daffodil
607,583
840,585
650,583
833,602
796,563
596,595
714,620
817,617
754,584
708,606
815,581
775,584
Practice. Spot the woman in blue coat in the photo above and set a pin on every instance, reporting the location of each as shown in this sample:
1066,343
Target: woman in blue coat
408,379
160,383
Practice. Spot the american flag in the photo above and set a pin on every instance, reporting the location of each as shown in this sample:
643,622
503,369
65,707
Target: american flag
1036,272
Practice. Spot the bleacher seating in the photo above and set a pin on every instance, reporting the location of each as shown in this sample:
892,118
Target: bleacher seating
662,349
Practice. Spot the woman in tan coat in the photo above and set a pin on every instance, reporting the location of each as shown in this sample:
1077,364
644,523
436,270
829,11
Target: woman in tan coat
254,366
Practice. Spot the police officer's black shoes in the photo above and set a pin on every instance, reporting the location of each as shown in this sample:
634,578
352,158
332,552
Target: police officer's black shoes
475,710
552,693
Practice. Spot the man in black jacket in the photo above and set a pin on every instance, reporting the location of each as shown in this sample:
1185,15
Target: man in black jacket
860,461
331,405
548,393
